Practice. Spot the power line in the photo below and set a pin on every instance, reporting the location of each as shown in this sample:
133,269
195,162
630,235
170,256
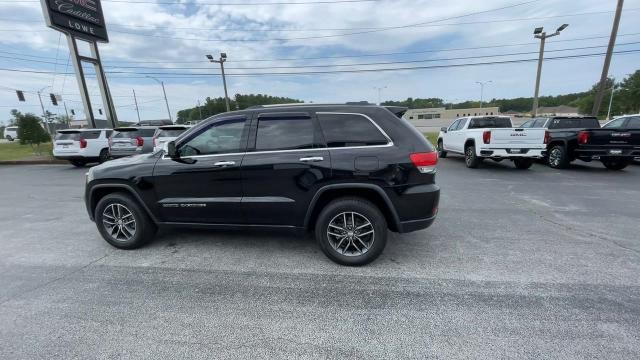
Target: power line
317,72
329,57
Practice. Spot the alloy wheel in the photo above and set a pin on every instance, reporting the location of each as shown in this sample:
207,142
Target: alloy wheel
469,155
119,222
350,234
554,157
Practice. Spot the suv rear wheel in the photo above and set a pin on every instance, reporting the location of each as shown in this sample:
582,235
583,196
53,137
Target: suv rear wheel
351,231
78,163
104,155
122,222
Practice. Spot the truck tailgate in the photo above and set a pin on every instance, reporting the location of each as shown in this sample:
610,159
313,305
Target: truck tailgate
517,137
614,137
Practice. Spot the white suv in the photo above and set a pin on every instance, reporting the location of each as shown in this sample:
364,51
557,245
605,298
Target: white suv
82,146
11,133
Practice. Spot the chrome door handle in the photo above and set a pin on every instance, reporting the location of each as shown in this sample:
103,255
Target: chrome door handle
311,159
224,163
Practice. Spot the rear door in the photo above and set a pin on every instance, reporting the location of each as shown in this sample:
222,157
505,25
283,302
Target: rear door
281,171
447,137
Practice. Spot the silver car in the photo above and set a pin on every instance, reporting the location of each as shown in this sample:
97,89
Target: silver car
126,141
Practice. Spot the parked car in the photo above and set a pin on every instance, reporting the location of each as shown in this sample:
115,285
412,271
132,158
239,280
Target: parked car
11,133
492,137
625,122
582,138
349,173
164,134
127,141
82,146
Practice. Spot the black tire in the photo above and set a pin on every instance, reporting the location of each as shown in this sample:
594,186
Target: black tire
9,138
104,156
470,158
346,253
617,164
558,158
523,164
143,230
441,153
78,163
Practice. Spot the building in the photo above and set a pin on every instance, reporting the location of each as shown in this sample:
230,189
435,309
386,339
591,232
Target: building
448,114
561,110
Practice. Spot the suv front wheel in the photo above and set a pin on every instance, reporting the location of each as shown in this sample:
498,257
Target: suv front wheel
351,231
122,222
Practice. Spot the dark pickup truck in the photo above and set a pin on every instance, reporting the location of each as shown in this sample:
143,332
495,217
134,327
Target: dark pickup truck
571,138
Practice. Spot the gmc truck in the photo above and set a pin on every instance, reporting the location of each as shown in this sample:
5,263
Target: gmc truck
571,138
492,137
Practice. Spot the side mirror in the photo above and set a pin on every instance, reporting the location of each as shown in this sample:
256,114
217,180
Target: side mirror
171,150
443,129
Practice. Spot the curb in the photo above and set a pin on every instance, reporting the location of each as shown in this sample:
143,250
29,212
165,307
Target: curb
33,162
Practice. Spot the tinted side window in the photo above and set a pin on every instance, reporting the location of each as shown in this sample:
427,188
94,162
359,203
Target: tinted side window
615,124
576,123
342,130
539,123
223,136
527,124
282,132
634,123
480,123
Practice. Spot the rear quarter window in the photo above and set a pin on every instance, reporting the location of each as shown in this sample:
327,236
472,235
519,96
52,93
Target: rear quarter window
343,130
577,123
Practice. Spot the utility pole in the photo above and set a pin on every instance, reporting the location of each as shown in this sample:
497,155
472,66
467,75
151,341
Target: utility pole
379,88
613,90
539,34
223,58
482,83
607,60
200,109
44,113
136,102
165,95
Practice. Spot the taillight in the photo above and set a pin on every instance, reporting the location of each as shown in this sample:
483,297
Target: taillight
486,137
547,137
425,162
583,137
83,143
139,141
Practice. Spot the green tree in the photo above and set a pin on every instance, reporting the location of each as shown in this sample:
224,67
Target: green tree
629,93
30,130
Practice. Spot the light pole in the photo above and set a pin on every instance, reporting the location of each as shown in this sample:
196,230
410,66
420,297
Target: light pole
135,101
379,88
163,93
223,58
539,34
482,84
44,113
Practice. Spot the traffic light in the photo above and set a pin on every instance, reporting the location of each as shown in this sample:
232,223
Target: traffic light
73,112
54,101
100,111
20,95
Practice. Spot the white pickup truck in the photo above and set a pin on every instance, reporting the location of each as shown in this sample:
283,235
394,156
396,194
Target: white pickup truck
492,137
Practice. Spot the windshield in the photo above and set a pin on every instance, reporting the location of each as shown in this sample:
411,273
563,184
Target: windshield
496,122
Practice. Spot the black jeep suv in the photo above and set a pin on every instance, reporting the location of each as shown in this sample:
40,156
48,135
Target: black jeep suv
347,172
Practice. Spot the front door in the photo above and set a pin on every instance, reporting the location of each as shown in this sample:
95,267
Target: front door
205,184
282,171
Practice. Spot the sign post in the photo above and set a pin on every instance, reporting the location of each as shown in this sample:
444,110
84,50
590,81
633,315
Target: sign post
83,20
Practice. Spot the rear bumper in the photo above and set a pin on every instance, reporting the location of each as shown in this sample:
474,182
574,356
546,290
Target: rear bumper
75,157
512,153
608,153
415,225
417,207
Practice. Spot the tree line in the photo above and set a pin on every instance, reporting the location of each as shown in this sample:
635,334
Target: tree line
213,106
626,100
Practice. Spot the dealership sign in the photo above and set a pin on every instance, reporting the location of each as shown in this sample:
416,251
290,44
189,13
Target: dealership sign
80,18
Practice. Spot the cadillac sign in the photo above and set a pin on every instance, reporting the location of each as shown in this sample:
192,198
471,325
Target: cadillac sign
80,18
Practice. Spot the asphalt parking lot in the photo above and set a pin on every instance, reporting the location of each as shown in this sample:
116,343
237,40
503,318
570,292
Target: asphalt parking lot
519,264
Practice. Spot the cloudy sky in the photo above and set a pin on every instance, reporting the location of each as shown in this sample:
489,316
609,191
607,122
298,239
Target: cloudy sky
168,40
